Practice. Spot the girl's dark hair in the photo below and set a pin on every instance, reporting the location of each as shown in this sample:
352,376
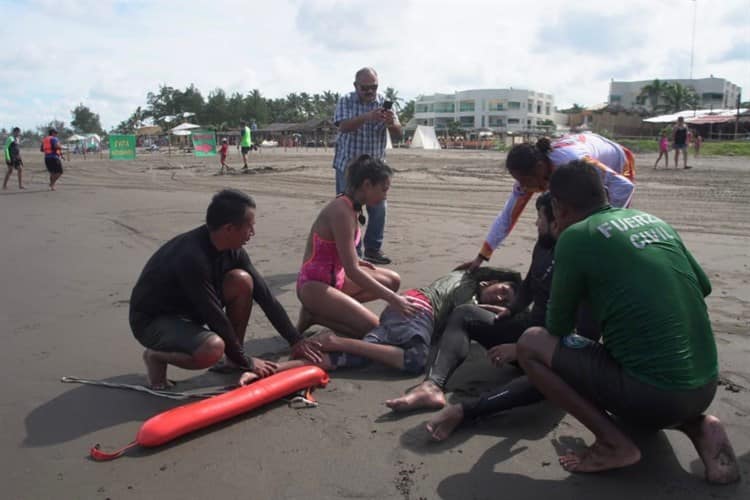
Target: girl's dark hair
228,207
544,203
366,168
15,129
522,158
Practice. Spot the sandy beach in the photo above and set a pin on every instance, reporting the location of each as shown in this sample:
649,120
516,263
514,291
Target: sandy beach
70,259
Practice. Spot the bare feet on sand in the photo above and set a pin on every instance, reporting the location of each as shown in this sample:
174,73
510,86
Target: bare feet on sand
157,371
445,422
425,395
327,340
712,443
600,457
248,378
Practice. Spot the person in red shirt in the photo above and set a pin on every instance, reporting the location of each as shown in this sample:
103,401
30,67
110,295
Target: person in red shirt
223,156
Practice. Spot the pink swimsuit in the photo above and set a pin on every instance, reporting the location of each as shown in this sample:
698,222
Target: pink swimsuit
324,264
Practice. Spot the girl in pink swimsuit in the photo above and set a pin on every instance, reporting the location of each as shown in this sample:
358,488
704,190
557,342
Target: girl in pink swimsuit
333,282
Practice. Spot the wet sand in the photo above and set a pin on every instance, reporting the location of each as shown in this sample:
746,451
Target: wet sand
70,259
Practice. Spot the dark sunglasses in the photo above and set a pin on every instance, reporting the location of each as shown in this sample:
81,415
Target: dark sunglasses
368,87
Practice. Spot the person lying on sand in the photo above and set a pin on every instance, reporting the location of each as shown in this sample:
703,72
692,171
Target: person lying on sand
193,299
657,366
497,332
403,342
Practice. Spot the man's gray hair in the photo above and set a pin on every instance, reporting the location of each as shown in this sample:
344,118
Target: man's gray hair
364,71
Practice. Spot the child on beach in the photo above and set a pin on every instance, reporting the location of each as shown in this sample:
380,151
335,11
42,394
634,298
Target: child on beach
663,150
223,156
333,282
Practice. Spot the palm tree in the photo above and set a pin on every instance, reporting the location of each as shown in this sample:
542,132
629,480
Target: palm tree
678,97
407,112
391,94
653,91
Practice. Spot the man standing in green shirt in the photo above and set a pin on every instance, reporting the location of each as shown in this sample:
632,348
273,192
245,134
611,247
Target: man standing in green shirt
13,158
246,142
657,366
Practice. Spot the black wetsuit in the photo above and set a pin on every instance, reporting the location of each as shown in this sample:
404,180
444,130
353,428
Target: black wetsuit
185,278
471,322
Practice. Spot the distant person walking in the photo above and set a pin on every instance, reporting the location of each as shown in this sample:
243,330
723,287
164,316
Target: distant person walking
52,157
223,156
13,158
697,142
680,142
663,150
363,124
246,142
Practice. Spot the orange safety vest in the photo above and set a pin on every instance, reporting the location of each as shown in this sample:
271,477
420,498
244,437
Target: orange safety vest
47,146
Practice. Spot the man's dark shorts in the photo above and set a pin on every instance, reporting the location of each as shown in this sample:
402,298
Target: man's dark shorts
171,334
54,165
594,374
245,149
16,163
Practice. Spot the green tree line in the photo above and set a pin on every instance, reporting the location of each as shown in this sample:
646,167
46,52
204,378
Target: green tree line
167,105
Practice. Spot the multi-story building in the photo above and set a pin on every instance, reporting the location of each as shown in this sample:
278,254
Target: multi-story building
712,93
499,110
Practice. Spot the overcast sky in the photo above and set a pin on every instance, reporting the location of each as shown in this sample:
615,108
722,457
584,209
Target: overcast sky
109,54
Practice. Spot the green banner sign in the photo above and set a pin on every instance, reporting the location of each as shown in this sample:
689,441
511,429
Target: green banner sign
204,142
122,147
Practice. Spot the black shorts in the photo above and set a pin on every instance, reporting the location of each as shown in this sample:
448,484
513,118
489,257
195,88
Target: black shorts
594,374
245,149
54,165
15,163
171,334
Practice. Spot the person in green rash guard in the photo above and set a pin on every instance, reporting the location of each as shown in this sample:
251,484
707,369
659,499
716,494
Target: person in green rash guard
246,142
13,158
657,366
403,342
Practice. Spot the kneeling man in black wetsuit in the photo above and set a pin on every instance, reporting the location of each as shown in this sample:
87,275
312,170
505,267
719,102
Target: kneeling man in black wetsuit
193,299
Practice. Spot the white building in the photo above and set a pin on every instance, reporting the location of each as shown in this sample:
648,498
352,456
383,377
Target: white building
499,110
712,92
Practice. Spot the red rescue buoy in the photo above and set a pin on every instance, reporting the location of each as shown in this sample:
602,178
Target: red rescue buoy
182,420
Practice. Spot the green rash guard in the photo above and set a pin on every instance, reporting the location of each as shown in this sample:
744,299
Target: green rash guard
246,140
644,289
458,288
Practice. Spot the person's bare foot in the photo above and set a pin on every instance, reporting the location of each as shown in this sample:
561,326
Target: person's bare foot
712,443
425,395
248,378
445,422
156,370
327,340
600,457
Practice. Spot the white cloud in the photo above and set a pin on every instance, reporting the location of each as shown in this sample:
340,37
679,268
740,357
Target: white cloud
108,54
